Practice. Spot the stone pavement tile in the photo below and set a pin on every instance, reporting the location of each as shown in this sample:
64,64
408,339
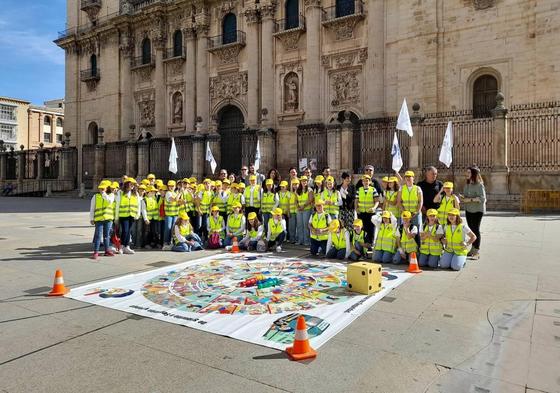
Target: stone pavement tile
487,292
455,311
544,366
513,319
431,282
456,381
10,311
549,283
442,343
550,307
100,363
407,302
492,277
546,331
504,359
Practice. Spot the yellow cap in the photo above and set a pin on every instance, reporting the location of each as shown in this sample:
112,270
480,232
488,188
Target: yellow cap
200,188
409,174
303,178
185,180
319,179
152,189
386,214
192,179
252,216
330,179
236,205
114,185
454,212
277,212
151,176
171,183
215,208
159,181
406,214
226,181
319,202
162,187
234,185
104,184
283,183
218,183
252,177
334,225
269,182
358,223
432,212
131,180
241,185
207,180
448,184
295,181
142,187
366,177
393,179
183,216
145,182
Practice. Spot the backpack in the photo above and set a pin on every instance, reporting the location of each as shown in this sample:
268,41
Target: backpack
214,241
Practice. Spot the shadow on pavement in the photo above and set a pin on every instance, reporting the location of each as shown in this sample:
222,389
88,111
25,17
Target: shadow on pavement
49,253
43,205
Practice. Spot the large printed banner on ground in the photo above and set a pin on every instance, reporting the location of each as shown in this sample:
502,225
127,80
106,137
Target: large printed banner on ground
255,298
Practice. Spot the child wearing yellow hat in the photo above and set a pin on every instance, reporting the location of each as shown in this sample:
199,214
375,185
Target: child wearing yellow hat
338,243
385,246
216,227
332,198
284,199
269,202
235,196
127,210
391,193
254,233
458,237
292,220
447,200
204,202
235,226
319,229
153,218
253,196
366,203
171,209
184,239
276,233
358,243
406,242
411,199
430,240
305,200
101,215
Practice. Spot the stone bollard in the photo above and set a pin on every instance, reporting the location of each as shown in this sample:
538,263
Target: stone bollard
82,193
48,194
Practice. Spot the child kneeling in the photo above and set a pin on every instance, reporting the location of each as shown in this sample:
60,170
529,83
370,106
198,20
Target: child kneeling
184,239
387,234
338,244
406,243
430,241
254,233
276,233
359,246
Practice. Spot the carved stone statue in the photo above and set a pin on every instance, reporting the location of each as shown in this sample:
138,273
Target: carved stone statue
147,108
177,108
291,92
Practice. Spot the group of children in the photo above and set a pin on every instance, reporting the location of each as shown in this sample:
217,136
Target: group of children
186,216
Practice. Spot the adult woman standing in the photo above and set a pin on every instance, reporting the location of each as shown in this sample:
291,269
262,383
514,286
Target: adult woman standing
348,196
474,200
275,176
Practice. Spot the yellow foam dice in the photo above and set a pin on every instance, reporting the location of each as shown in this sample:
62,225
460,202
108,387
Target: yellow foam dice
364,277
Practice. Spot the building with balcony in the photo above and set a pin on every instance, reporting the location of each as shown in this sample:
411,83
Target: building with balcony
237,71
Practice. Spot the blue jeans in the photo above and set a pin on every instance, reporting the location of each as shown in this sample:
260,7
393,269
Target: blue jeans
353,255
181,247
292,227
102,229
251,245
428,260
302,228
316,244
126,226
266,218
383,256
450,260
333,253
169,223
185,247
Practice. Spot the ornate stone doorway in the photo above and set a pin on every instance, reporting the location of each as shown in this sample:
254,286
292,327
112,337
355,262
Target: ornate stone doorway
230,128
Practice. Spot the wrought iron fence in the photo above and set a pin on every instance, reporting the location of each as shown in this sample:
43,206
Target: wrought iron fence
51,164
31,164
228,38
11,166
159,157
290,22
312,144
115,159
343,8
184,154
534,137
88,165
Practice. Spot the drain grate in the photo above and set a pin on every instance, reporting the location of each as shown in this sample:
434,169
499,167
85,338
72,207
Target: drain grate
388,299
160,264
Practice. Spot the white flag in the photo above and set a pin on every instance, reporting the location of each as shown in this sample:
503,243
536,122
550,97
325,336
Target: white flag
258,156
210,158
403,122
173,157
396,153
446,155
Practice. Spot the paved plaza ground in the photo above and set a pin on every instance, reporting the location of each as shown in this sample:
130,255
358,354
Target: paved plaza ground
494,327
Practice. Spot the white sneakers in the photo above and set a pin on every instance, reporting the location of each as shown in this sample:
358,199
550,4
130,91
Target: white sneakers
128,250
120,251
278,249
166,247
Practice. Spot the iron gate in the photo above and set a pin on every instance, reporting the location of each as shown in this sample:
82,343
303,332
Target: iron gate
88,165
159,157
231,124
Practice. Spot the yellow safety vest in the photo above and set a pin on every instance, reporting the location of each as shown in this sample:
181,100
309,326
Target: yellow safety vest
454,240
366,199
152,208
386,239
444,207
267,202
253,233
408,245
234,224
128,207
205,201
358,238
188,206
391,196
331,196
293,202
430,246
339,239
104,211
256,196
216,226
302,200
410,199
232,198
171,208
185,230
319,221
218,201
284,201
274,229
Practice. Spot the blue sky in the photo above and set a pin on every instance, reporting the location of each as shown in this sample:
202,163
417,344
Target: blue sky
31,65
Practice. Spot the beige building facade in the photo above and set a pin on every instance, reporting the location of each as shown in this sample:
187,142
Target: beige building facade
227,68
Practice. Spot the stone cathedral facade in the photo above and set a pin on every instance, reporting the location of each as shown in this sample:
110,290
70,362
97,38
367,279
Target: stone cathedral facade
226,69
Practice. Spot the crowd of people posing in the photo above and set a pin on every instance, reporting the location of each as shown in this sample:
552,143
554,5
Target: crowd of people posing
258,213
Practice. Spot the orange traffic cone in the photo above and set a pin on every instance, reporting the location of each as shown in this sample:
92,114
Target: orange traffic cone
413,265
58,288
235,246
301,349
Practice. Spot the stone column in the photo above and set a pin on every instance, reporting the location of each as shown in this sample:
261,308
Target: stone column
415,150
40,162
131,158
99,172
267,62
143,158
375,64
253,112
499,183
190,79
20,167
312,77
161,92
126,83
267,143
198,155
202,77
67,165
346,145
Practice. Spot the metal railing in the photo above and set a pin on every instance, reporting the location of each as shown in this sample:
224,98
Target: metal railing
143,61
174,53
290,23
342,9
85,4
77,30
230,38
90,74
312,144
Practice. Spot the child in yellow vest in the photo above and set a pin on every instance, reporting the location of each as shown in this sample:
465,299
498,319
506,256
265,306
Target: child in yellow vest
458,237
216,227
406,242
319,229
447,201
359,245
276,233
126,212
235,226
184,239
292,220
268,203
254,233
332,198
391,193
305,200
153,219
385,246
338,243
101,215
430,241
171,208
205,197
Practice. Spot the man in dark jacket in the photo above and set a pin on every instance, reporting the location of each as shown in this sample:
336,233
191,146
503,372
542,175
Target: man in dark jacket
430,187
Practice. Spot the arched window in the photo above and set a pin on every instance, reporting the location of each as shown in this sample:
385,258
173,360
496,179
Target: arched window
485,89
59,122
292,14
47,121
47,132
93,64
344,8
93,133
177,43
229,29
146,51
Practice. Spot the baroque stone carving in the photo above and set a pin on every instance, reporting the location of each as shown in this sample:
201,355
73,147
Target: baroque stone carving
252,15
144,74
312,3
228,86
290,39
227,54
345,59
345,88
344,29
483,4
146,107
268,10
177,108
225,8
159,31
291,92
126,43
174,68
